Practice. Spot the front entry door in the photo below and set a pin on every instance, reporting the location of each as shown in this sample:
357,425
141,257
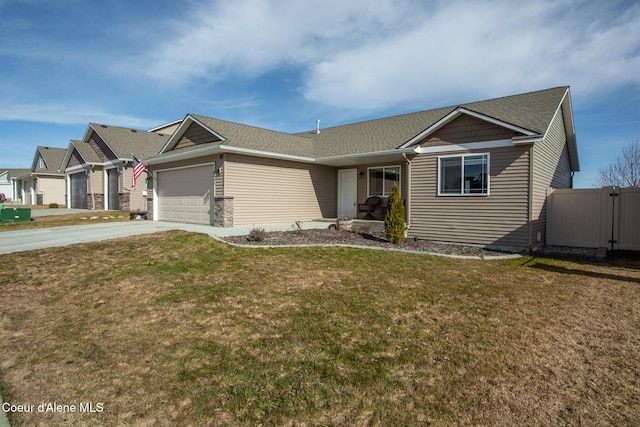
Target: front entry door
347,192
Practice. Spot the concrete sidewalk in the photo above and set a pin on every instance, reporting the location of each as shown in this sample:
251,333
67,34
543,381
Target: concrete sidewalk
42,238
4,421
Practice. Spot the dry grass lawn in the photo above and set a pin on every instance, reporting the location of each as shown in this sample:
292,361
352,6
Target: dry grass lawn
178,329
66,220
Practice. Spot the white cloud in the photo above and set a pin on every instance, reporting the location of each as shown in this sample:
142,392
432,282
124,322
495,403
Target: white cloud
363,54
249,37
483,49
70,114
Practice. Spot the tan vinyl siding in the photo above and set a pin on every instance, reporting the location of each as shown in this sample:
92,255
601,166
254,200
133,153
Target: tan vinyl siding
168,130
278,191
101,148
195,135
136,200
96,181
465,129
499,219
551,169
52,189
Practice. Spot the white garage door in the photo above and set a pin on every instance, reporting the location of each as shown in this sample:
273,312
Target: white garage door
184,195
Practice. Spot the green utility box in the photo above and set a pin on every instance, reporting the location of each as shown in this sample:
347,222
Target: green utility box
15,214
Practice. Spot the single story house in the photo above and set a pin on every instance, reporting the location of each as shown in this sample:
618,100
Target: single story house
99,170
44,182
475,173
8,182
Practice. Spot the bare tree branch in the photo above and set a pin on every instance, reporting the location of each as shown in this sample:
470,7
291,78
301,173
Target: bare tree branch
624,171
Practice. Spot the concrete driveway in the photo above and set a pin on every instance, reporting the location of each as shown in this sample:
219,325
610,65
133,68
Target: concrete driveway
41,238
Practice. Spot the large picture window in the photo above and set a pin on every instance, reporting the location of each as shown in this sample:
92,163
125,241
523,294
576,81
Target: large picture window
463,175
381,180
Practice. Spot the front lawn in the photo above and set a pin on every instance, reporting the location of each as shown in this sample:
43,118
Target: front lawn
179,329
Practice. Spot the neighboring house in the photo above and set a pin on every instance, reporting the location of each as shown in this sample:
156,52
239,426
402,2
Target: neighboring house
474,173
44,182
99,167
167,128
8,182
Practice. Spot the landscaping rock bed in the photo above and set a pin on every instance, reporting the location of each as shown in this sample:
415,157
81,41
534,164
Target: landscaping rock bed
355,238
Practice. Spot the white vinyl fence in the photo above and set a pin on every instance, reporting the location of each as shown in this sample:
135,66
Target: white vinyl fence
606,217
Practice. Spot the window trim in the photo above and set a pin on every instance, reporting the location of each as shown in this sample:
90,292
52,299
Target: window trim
462,193
383,168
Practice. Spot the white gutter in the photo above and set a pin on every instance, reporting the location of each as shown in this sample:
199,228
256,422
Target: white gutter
225,149
239,150
323,160
527,140
181,156
469,146
408,203
37,174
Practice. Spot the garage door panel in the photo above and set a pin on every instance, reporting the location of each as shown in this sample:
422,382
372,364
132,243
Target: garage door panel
78,190
184,195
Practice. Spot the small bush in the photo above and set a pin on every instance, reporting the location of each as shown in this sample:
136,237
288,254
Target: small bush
394,223
53,206
257,235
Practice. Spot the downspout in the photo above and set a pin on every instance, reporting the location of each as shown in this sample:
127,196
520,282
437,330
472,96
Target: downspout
408,200
93,197
530,207
67,182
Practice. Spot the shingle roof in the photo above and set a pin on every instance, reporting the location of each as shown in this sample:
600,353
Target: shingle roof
531,111
13,173
255,138
52,158
126,141
88,154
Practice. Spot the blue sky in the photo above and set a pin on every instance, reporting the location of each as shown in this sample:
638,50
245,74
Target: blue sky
283,64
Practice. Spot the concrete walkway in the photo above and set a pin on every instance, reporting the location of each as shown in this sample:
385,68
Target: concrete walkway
42,238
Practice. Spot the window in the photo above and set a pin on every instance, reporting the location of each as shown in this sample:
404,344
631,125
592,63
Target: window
463,175
42,165
381,180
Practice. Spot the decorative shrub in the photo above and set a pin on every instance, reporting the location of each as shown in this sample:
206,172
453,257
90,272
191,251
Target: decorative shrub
394,223
53,205
257,235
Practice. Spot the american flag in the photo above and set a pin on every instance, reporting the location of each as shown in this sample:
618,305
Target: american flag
138,168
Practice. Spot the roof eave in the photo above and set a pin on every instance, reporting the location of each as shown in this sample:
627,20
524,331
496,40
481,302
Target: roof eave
167,158
166,125
570,130
457,112
182,128
352,158
87,135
